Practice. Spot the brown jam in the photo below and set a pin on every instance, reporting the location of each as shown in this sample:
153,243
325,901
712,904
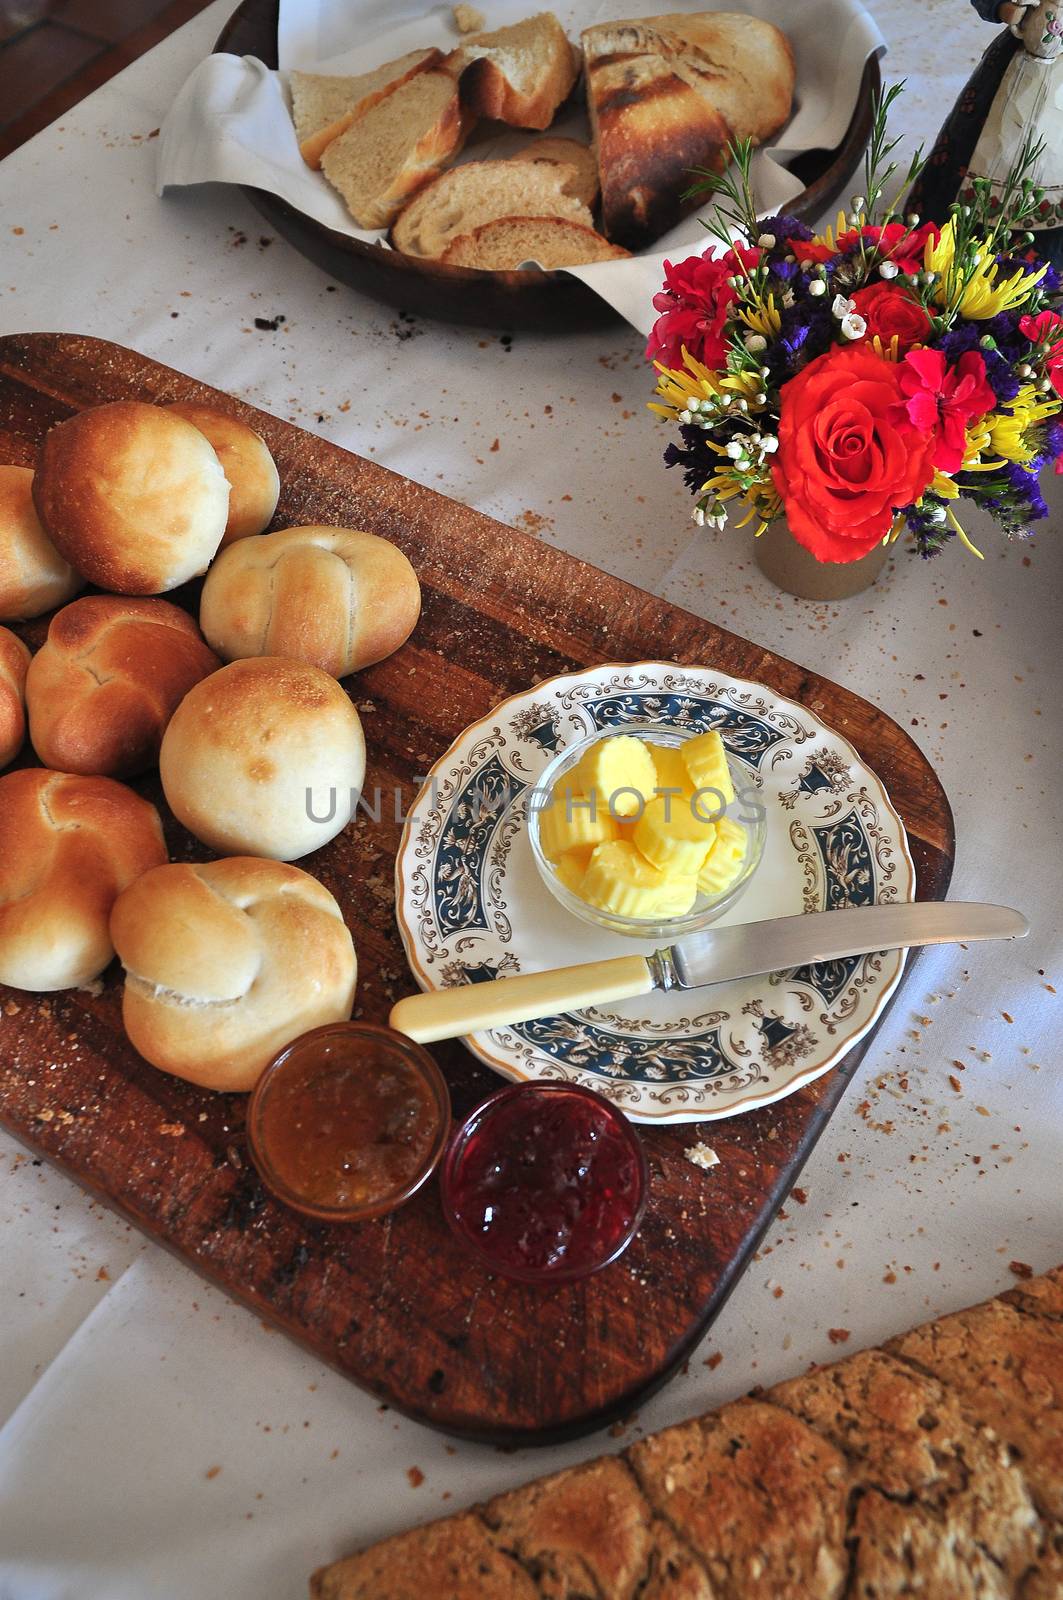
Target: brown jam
348,1121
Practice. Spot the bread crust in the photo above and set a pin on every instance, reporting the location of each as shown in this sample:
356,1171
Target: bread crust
569,153
228,962
422,227
313,147
248,465
484,64
107,680
68,847
574,244
14,664
131,495
337,598
33,575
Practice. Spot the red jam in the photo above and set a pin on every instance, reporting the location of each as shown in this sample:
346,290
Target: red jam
546,1181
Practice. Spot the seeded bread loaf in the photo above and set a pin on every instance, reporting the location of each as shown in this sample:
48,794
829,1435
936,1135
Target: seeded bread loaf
503,245
932,1467
324,106
518,74
568,153
481,191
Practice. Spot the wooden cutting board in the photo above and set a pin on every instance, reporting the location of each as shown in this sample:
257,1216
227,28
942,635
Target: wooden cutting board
396,1304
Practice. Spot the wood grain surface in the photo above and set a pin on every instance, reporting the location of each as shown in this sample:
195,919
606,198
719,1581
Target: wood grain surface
395,1304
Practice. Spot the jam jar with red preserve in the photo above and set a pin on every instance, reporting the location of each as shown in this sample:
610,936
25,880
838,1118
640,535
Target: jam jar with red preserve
545,1182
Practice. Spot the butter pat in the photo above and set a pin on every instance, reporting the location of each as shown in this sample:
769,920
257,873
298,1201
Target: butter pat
706,762
724,861
619,770
572,821
620,879
672,835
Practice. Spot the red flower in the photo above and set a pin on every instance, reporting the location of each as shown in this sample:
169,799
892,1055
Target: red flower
894,242
890,309
940,400
1039,330
694,306
848,454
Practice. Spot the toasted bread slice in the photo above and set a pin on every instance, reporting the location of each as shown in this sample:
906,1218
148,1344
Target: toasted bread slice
324,106
502,245
480,191
569,153
518,74
397,145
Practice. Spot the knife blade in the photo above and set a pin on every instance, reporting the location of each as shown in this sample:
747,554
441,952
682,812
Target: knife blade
718,955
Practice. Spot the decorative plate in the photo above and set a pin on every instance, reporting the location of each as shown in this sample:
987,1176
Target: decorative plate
471,906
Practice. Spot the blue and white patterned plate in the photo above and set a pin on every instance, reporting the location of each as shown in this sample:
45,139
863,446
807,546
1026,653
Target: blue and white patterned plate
471,906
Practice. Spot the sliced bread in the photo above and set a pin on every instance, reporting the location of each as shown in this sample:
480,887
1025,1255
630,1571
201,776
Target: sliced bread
570,153
324,106
502,245
396,146
480,191
518,74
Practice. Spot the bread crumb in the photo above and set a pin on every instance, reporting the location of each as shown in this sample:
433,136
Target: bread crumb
173,1130
416,1477
212,1472
702,1155
467,19
838,1335
1021,1269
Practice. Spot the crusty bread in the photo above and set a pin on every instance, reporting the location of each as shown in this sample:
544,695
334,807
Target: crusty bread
14,662
33,575
551,241
132,495
337,598
254,483
480,191
666,95
265,757
467,19
107,680
324,106
399,144
933,1467
68,847
569,153
518,74
228,962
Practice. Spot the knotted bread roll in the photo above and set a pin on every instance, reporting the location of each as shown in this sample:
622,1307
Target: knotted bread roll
107,680
133,496
337,598
254,483
14,661
33,575
68,847
265,758
227,963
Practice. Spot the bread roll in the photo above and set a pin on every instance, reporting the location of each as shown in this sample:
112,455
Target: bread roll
337,598
265,758
33,575
254,483
133,496
227,963
107,680
14,660
68,847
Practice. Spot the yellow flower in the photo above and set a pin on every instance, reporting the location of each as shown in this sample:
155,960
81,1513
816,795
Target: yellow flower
830,235
758,500
978,293
763,317
1011,432
696,382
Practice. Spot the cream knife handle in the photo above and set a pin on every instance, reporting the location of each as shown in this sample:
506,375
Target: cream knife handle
470,1007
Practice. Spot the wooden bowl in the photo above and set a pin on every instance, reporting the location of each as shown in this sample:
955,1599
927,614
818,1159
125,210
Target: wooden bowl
547,301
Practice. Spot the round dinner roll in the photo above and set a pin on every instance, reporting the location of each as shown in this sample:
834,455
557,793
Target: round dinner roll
228,962
337,598
132,495
33,575
107,680
254,482
68,847
14,661
265,758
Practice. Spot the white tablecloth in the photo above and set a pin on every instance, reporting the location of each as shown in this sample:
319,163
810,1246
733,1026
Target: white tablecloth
154,1439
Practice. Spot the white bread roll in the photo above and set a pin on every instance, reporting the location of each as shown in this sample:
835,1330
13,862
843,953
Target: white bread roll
68,847
14,663
133,496
265,758
107,680
227,963
336,598
33,575
254,483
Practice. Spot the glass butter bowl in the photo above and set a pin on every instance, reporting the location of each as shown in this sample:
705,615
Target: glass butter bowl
348,1121
746,810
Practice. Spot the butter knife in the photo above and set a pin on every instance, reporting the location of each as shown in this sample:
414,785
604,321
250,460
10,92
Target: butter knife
718,955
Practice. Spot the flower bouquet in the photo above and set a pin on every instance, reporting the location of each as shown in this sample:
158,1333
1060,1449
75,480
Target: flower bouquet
860,381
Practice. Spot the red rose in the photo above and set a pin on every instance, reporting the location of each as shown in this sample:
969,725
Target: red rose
848,453
889,309
694,304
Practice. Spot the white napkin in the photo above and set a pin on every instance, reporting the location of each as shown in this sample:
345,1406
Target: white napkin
231,123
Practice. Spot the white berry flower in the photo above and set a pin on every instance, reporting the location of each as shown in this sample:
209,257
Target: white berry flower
734,450
842,307
767,241
755,342
853,326
817,287
684,417
888,269
769,445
